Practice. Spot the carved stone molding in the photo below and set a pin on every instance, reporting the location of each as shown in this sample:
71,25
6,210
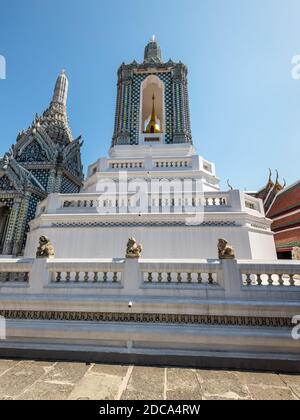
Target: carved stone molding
217,320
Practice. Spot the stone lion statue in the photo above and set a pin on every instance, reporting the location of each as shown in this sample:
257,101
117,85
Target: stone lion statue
296,253
226,251
133,249
45,248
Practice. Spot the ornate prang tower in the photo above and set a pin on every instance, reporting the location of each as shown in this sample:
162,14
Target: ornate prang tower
152,132
137,85
45,159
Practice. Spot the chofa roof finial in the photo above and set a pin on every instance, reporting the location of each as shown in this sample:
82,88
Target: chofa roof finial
270,175
230,186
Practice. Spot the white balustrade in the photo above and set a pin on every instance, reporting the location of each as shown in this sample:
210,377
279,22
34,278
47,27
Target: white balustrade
271,275
75,273
180,276
86,277
15,271
173,164
126,165
187,199
14,277
250,275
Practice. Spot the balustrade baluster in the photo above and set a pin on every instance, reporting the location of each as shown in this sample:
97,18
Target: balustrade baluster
270,280
281,280
210,278
248,279
291,280
259,279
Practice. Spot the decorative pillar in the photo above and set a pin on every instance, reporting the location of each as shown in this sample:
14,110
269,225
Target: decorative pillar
13,218
21,224
58,181
51,181
181,113
123,106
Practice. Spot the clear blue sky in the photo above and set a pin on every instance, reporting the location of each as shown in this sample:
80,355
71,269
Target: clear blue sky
245,106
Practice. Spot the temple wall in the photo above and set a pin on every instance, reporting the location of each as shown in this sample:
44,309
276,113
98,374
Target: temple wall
158,241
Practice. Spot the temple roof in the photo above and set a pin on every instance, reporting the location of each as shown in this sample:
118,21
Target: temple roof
269,192
20,178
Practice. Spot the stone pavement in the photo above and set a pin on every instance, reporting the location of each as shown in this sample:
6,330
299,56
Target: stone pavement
34,380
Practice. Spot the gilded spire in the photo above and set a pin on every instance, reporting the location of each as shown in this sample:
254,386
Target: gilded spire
153,114
61,89
153,126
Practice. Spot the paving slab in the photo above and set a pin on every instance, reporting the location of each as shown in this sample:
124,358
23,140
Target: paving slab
216,375
18,378
225,389
115,370
96,387
145,383
41,390
290,379
64,372
270,393
6,364
182,384
261,378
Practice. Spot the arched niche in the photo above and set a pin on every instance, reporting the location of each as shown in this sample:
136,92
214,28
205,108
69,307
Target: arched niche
151,87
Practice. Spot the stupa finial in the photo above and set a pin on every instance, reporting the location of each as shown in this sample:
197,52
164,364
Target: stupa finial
61,88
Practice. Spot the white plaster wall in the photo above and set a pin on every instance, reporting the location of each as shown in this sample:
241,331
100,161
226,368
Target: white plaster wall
262,245
158,242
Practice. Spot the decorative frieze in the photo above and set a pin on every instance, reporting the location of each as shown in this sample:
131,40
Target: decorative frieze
142,223
151,318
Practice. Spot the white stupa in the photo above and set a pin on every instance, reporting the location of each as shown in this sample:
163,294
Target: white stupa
153,185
